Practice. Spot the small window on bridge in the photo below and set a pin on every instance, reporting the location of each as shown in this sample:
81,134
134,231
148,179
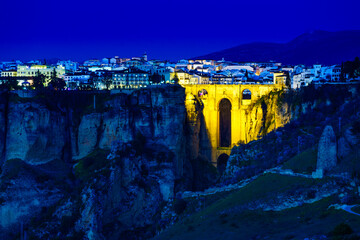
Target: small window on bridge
246,94
202,93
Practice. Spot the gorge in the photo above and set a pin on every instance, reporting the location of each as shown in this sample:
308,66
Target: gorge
101,165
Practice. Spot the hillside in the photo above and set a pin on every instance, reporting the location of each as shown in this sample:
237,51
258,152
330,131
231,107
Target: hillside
272,194
310,48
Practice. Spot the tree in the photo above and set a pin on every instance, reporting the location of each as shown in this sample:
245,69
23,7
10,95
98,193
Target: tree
342,74
94,80
56,82
107,82
357,72
156,78
12,83
39,80
246,75
288,80
91,83
176,79
350,68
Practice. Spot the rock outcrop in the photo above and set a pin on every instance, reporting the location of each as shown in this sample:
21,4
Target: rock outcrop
310,109
266,115
3,112
37,133
327,154
145,133
34,134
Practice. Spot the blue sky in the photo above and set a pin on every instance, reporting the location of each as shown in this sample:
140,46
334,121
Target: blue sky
166,29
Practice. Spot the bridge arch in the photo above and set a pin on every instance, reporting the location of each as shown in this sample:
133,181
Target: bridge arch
222,162
225,123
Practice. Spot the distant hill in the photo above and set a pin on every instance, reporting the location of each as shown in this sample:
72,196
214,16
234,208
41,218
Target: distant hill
310,48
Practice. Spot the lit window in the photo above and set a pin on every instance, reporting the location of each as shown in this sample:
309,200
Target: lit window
246,94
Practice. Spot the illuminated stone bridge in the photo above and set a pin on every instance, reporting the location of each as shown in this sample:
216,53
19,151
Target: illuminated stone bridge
224,109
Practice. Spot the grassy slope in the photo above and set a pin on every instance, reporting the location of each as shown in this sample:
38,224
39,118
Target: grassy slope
223,220
87,166
305,162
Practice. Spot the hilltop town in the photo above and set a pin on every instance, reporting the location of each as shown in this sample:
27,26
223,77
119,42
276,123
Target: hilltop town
137,72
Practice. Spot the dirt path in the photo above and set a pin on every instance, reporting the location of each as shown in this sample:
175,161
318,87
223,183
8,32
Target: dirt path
348,208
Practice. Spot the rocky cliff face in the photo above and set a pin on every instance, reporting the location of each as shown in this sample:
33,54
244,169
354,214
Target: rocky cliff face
38,134
3,112
326,157
310,110
34,134
106,164
55,147
266,115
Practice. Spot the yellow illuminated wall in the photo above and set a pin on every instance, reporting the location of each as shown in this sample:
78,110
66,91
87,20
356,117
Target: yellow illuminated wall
239,111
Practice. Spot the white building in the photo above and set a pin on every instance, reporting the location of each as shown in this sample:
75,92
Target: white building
9,73
92,62
32,71
94,69
297,81
331,73
73,80
69,66
10,65
239,67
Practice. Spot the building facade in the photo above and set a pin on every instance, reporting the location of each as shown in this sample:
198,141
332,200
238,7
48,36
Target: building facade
32,71
130,78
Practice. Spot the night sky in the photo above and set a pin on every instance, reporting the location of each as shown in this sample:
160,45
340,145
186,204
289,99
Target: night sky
166,29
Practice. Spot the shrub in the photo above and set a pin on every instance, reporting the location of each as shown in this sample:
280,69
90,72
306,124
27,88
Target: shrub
12,168
179,206
341,230
190,228
139,144
87,166
311,194
355,129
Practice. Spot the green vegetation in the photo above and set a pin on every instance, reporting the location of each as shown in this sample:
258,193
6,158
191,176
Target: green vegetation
10,84
227,219
39,81
54,173
156,78
56,82
268,185
12,168
139,144
305,162
175,79
89,165
350,68
179,206
342,232
355,129
60,227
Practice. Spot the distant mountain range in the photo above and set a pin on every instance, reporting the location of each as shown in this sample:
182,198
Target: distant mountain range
321,47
